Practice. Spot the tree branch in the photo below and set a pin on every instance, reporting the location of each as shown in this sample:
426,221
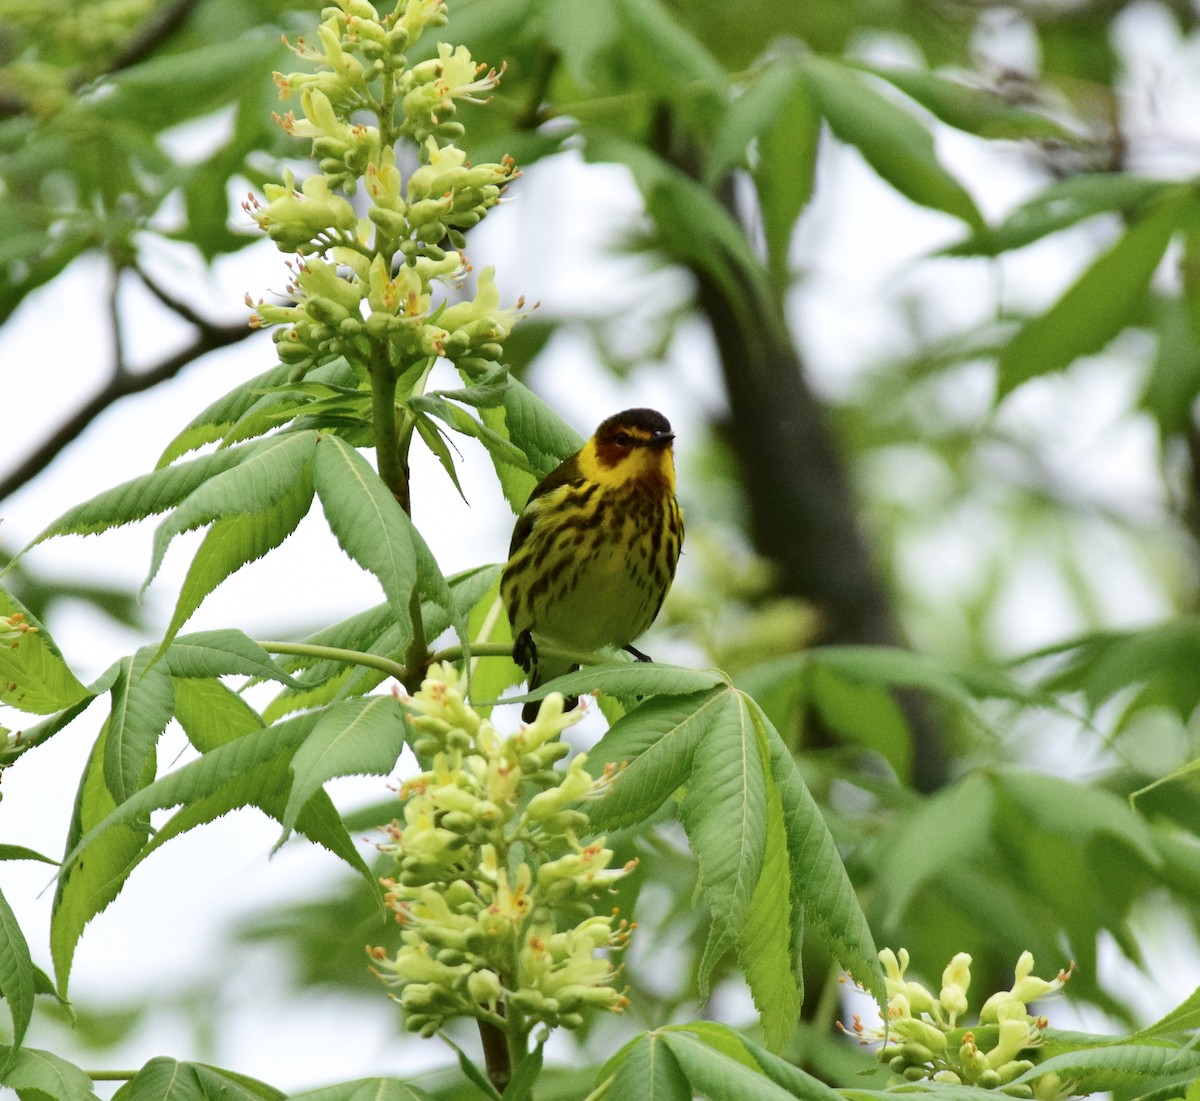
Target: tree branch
121,384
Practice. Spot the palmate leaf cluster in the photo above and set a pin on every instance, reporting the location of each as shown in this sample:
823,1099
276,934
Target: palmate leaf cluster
991,863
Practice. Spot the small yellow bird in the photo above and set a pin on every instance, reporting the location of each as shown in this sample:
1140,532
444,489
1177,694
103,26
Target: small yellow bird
594,550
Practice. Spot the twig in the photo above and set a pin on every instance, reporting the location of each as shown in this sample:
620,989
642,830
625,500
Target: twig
119,386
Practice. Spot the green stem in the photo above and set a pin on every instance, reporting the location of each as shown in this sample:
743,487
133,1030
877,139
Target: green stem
392,468
416,658
111,1075
336,653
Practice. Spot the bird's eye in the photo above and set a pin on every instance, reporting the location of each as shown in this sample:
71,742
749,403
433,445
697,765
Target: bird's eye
623,439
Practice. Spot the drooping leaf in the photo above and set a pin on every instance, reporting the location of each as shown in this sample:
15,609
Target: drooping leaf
715,1074
819,879
212,714
143,701
232,542
84,889
274,471
769,941
16,978
147,495
890,139
358,737
645,1068
1100,303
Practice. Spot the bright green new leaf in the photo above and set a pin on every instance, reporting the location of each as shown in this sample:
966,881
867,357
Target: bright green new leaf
33,675
85,888
358,737
890,139
1112,1065
1185,1017
1100,303
370,526
212,714
16,977
143,701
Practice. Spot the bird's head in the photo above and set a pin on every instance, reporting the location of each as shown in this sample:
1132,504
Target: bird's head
630,447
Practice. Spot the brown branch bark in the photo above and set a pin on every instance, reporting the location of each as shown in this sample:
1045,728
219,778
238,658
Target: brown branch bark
120,384
804,514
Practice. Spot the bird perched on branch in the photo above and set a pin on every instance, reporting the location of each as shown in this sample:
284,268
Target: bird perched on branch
594,550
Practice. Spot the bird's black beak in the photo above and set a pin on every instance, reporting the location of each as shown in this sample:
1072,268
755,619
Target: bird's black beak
661,439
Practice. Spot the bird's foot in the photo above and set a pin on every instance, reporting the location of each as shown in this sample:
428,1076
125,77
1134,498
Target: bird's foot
524,651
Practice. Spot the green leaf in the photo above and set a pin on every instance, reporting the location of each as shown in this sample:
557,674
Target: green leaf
110,841
272,473
670,60
16,977
219,653
647,1070
370,526
1100,303
146,496
974,110
785,173
85,888
724,813
718,1076
212,714
210,424
783,1073
234,541
538,431
1058,206
40,1076
1114,1066
143,701
819,879
769,941
20,852
628,681
654,747
359,737
165,1079
33,675
756,108
1183,1018
366,1089
890,139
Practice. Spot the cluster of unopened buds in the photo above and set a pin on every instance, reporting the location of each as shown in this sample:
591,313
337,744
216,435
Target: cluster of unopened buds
13,628
362,286
925,1036
495,892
